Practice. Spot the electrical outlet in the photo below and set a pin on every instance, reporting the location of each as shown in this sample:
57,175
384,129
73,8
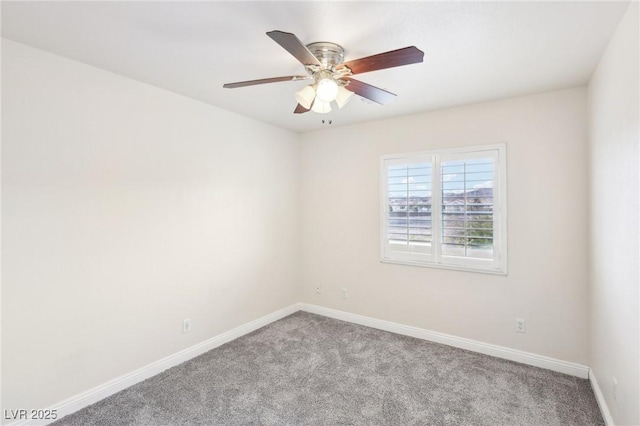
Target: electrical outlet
186,326
318,290
345,293
521,325
614,389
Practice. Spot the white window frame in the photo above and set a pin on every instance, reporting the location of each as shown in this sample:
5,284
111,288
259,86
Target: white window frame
435,259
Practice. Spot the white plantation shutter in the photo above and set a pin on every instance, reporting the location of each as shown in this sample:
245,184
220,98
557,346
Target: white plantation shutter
467,208
445,209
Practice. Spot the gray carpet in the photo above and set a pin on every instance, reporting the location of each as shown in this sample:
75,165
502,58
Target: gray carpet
311,370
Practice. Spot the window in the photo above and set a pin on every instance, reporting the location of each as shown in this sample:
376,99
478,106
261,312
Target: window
446,209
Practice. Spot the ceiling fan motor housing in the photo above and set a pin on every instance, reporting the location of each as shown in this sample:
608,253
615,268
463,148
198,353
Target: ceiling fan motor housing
329,54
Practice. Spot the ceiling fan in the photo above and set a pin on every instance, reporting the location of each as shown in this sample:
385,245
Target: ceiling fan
324,63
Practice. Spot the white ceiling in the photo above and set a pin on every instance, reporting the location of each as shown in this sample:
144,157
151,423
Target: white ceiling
474,51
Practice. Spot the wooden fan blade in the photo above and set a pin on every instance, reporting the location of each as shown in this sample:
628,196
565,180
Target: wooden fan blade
265,81
370,92
300,110
293,45
394,58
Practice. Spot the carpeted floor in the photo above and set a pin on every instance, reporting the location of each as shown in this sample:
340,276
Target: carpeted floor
311,370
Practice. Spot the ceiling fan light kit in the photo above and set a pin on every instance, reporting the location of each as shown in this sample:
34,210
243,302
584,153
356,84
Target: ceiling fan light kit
324,62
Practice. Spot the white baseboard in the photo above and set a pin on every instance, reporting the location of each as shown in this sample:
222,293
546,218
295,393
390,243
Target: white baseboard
602,404
553,364
94,395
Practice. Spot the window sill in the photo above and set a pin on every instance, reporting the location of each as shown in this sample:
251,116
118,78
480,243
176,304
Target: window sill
445,266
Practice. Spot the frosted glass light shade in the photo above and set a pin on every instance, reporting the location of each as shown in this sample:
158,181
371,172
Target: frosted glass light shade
343,96
321,107
305,96
327,89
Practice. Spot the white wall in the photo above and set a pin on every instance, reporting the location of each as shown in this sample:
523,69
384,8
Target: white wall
126,209
546,141
614,192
